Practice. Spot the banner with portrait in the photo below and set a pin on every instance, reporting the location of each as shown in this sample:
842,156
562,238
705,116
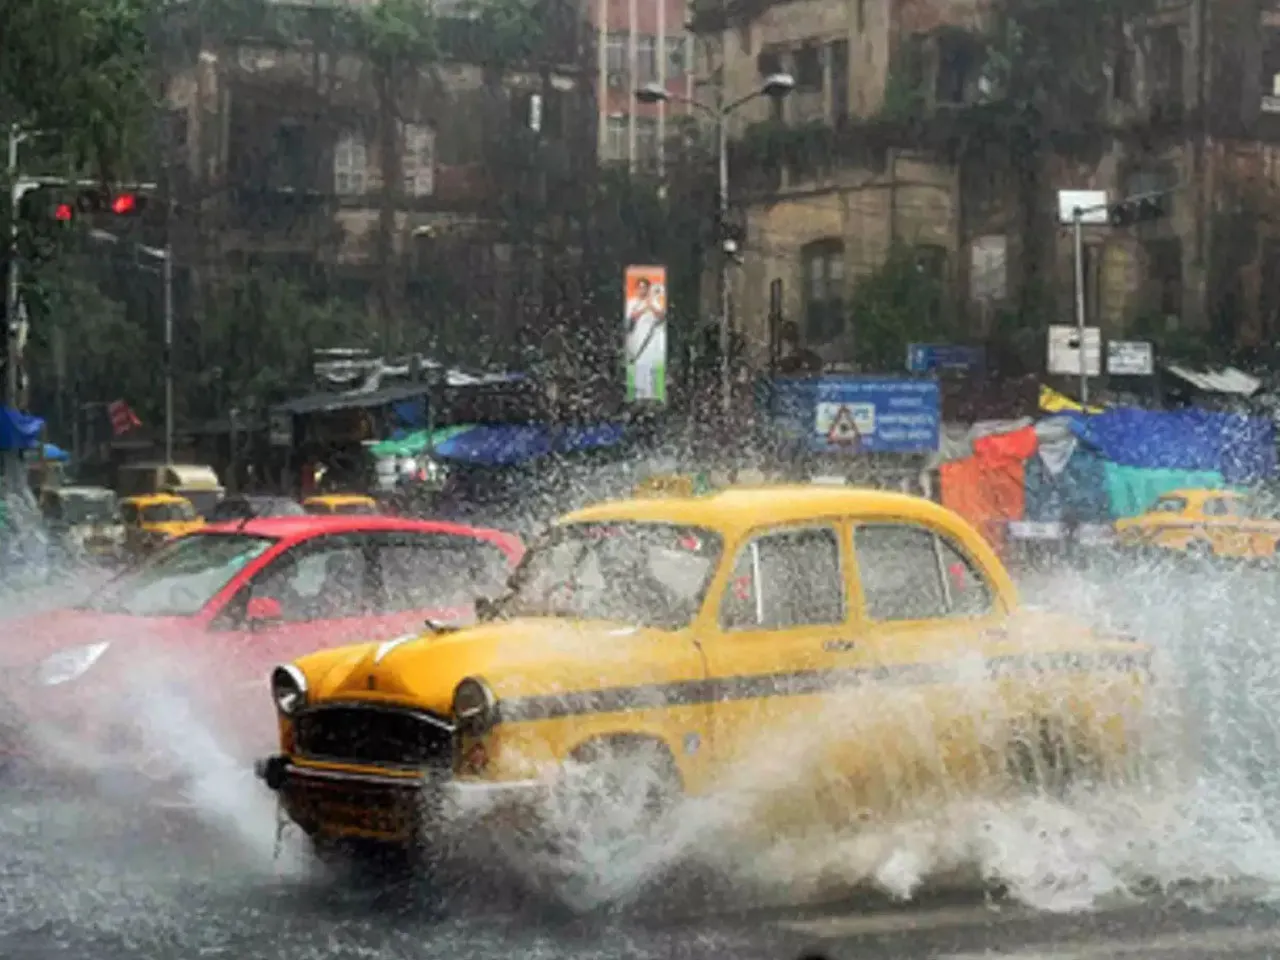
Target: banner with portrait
645,326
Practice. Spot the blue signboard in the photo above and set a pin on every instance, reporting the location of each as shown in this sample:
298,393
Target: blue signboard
853,414
929,357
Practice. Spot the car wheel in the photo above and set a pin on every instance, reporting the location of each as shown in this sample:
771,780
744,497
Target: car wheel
368,862
1042,759
1200,551
601,836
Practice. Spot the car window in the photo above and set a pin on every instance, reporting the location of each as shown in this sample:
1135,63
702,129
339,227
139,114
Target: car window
231,510
647,574
316,508
786,579
322,579
178,512
968,593
425,571
1169,505
182,577
1220,507
910,573
355,509
899,574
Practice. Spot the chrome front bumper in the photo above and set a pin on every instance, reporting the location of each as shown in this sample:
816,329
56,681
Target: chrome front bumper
461,797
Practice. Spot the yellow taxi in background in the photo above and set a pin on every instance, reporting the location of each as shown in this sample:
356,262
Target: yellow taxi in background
152,519
818,653
1204,523
343,504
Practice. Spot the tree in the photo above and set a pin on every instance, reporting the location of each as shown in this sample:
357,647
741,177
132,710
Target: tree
897,305
1048,69
77,72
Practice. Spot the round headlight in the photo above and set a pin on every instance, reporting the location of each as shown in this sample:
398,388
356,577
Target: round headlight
474,707
288,689
67,665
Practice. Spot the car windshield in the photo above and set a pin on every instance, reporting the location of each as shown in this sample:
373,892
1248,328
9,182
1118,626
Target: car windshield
647,574
1169,505
178,512
182,577
77,508
205,501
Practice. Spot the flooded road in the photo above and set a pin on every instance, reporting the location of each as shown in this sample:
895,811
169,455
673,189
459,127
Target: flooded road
1135,875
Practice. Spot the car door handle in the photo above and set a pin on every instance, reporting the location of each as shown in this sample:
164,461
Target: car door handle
839,646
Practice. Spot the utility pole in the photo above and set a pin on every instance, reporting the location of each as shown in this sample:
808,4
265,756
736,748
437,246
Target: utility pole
1077,222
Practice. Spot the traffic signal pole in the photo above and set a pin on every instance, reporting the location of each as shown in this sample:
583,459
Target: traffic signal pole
12,464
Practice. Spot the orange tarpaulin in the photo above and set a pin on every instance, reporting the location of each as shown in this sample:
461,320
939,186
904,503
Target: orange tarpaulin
987,489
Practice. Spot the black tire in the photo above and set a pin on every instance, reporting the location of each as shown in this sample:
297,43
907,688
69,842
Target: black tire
1200,551
369,863
1043,759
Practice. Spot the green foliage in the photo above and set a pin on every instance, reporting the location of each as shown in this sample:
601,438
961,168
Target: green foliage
896,305
259,335
100,344
77,71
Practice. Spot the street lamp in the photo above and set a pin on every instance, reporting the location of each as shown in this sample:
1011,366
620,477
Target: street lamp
775,86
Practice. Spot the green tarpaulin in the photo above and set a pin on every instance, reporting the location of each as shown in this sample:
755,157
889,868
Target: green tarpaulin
415,443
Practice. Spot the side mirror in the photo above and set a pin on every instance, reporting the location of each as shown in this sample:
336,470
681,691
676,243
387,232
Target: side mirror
263,612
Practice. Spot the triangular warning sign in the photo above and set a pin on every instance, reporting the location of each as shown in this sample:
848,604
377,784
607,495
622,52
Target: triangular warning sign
843,430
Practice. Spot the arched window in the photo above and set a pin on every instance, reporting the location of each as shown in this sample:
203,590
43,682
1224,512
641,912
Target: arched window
824,291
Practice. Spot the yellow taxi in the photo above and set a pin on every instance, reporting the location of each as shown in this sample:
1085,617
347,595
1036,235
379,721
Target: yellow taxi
344,504
152,519
1204,523
841,652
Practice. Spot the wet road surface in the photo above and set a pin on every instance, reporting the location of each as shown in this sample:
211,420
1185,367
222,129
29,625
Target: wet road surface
75,882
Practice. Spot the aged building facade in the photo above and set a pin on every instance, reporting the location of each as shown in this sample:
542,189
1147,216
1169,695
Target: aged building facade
293,149
881,147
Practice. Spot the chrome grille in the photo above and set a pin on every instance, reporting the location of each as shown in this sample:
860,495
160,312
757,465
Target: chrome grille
375,735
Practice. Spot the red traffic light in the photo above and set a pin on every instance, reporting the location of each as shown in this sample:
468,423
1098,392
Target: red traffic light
63,212
124,203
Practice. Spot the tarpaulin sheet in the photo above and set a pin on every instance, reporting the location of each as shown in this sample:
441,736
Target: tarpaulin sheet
987,489
19,430
508,445
1240,448
1071,490
1132,490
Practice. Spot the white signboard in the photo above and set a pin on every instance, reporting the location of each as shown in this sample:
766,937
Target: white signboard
1130,358
1093,201
1064,350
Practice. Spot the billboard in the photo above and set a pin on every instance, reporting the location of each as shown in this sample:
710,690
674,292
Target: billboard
861,414
645,326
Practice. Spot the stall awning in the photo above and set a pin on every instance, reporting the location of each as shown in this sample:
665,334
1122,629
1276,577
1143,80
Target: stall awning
1227,380
19,430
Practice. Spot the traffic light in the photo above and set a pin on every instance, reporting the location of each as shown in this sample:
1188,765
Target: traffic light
1134,210
64,204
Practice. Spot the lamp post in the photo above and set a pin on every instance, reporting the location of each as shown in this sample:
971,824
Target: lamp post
776,86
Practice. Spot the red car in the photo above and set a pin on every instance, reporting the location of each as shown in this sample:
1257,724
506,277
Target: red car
199,625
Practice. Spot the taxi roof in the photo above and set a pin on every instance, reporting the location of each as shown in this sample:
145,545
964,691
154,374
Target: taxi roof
740,508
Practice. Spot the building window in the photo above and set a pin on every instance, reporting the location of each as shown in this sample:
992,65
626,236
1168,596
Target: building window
1164,276
769,62
647,142
419,160
615,53
350,165
1122,72
677,56
616,145
646,58
1165,65
808,68
957,62
824,314
838,57
931,267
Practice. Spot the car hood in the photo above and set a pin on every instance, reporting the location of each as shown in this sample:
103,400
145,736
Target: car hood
523,657
28,640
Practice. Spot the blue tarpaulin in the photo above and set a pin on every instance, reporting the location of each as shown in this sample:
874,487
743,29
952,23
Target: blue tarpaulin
54,452
509,445
1241,448
19,430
